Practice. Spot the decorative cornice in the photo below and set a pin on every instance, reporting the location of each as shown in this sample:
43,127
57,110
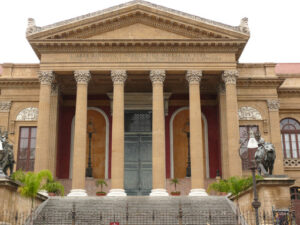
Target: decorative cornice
249,113
118,76
273,104
5,106
259,82
46,77
82,76
230,76
157,76
193,76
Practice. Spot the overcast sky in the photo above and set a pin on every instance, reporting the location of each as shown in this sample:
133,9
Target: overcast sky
274,24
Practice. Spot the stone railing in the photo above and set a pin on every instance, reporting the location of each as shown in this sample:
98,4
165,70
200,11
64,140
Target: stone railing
291,163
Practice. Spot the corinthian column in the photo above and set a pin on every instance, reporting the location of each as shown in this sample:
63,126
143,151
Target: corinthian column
232,124
79,156
158,135
196,145
117,162
42,142
273,106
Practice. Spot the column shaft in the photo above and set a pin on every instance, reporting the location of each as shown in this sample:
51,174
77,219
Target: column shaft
42,143
158,134
79,156
223,134
53,129
117,161
273,106
233,136
196,141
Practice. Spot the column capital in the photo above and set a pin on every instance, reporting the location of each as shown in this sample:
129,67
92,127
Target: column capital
273,104
82,76
46,77
118,76
193,76
157,76
230,76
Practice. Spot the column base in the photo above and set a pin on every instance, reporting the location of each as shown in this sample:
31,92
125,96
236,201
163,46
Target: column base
77,193
117,193
198,192
159,192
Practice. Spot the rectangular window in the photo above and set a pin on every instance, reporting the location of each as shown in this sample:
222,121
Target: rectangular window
26,151
244,137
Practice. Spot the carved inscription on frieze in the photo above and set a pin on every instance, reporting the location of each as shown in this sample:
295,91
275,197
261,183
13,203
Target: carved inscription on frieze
138,57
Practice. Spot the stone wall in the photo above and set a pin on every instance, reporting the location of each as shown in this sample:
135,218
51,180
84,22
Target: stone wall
12,201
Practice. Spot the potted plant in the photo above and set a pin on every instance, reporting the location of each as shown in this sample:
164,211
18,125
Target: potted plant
31,183
102,183
54,188
175,181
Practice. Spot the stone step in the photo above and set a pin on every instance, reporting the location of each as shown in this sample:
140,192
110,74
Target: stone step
137,210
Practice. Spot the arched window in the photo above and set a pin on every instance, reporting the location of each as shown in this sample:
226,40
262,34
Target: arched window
290,137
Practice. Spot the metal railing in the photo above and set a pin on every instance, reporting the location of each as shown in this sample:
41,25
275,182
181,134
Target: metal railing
86,217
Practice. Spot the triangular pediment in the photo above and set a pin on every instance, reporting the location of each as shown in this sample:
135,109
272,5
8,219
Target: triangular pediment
137,31
138,23
170,23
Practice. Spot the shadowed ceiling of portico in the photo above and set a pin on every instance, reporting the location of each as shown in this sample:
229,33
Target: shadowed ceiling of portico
101,83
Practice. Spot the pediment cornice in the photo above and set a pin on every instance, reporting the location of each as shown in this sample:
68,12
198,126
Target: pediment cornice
133,12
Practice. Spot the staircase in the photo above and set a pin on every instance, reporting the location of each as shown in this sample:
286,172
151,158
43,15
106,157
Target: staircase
136,211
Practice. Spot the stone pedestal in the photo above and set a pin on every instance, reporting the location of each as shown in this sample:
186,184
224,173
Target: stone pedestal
273,191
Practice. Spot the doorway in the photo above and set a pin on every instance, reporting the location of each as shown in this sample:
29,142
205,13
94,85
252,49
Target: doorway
138,152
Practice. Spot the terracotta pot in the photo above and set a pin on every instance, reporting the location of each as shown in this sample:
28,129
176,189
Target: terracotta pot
100,193
51,194
175,193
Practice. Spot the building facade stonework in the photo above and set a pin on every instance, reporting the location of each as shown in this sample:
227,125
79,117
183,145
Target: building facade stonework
145,97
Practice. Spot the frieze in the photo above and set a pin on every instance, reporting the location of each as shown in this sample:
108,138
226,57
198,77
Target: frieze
157,76
130,57
28,114
249,113
5,106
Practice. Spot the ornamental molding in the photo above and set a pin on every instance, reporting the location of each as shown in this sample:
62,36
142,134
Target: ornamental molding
273,104
5,106
52,46
137,7
82,76
118,76
230,76
46,77
291,163
249,113
157,76
193,76
28,114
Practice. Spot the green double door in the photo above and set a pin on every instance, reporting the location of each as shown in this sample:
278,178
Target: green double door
138,153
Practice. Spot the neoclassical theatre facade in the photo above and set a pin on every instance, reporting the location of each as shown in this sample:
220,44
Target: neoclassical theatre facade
137,94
